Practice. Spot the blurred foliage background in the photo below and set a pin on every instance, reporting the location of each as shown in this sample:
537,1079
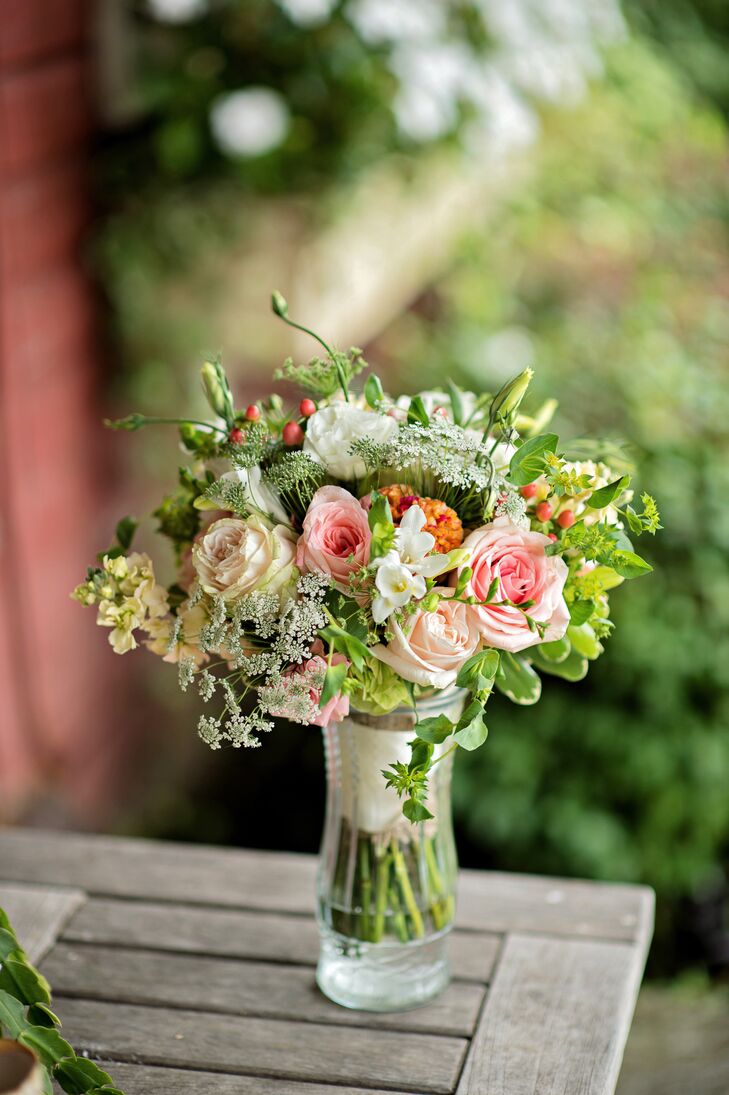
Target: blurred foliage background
604,264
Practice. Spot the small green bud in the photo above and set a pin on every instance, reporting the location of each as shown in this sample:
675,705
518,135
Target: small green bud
217,390
279,305
506,402
430,602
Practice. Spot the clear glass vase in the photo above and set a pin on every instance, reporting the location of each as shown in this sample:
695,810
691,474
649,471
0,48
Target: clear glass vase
386,887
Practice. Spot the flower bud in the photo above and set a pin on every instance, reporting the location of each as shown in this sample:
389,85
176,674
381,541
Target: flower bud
506,402
279,304
430,601
217,390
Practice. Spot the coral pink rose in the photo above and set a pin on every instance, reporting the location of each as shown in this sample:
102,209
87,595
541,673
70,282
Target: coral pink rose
432,646
336,537
525,573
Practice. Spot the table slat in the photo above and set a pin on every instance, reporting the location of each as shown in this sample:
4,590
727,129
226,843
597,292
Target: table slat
37,914
143,1080
556,1019
153,870
264,1047
274,937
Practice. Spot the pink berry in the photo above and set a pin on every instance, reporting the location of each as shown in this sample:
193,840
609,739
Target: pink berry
529,491
236,436
543,511
307,407
253,413
292,433
552,536
566,519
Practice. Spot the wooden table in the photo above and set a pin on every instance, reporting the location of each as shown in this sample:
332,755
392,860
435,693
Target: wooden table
190,970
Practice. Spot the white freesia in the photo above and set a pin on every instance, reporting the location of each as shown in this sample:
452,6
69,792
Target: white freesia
331,431
396,585
414,546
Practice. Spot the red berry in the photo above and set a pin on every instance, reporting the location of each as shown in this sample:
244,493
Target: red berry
236,436
566,519
307,407
543,511
253,413
552,536
529,491
292,433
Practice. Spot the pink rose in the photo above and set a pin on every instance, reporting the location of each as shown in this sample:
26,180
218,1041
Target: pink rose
432,646
301,688
525,573
336,536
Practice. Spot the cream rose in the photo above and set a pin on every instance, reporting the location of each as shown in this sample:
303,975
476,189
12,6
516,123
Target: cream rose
525,573
234,557
432,646
331,431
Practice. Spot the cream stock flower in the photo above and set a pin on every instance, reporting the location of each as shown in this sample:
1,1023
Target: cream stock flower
331,431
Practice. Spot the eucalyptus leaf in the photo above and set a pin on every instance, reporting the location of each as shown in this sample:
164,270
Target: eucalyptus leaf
517,680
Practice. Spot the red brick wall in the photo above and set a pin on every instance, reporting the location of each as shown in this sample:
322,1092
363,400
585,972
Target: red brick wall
53,666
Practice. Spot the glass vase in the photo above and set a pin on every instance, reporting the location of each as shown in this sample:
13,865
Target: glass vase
386,886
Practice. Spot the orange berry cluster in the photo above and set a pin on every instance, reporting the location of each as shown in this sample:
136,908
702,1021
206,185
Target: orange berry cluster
441,521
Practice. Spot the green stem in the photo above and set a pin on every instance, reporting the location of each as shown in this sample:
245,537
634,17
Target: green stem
365,885
314,335
381,875
147,420
401,874
398,920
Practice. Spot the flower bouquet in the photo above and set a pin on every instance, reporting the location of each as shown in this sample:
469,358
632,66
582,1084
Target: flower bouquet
376,567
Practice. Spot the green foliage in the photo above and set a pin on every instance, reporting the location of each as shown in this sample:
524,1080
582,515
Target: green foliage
379,518
528,462
607,272
26,1017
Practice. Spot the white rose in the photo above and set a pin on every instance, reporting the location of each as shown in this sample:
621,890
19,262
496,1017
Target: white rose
235,557
331,431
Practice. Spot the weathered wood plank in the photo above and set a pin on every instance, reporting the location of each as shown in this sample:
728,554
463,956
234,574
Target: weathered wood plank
239,934
143,1080
38,914
235,987
556,1019
263,1047
488,901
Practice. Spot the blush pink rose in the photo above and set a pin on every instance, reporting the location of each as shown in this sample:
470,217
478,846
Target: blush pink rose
336,536
309,679
432,646
525,573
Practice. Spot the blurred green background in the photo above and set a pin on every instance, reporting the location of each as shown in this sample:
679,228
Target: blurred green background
585,234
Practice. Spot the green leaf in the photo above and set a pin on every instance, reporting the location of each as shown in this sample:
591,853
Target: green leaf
77,1075
421,752
12,1016
478,673
347,613
373,391
417,412
415,811
125,532
527,463
25,983
581,611
434,730
456,403
629,565
634,521
584,641
333,681
40,1015
8,941
603,496
349,645
573,668
471,731
47,1043
380,521
517,680
556,651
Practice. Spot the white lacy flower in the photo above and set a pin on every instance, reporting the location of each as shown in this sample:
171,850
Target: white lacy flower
414,546
396,585
331,431
249,122
263,497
